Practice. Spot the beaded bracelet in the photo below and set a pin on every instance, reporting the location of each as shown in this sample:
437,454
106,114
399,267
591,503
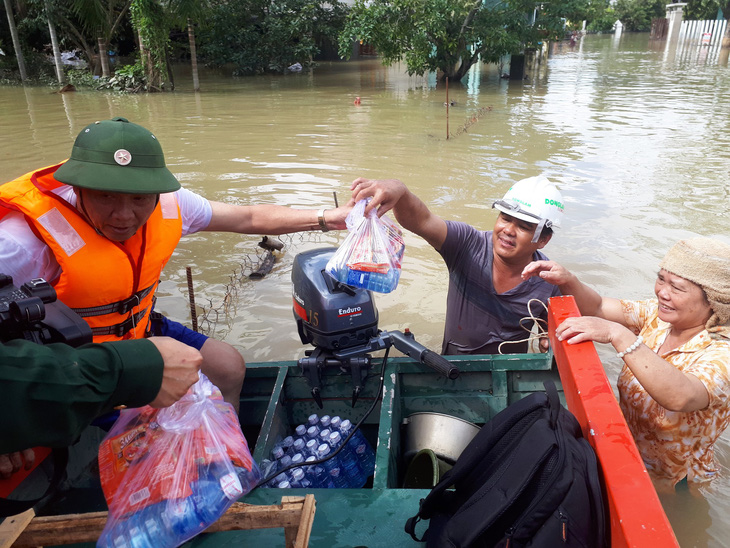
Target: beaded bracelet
631,348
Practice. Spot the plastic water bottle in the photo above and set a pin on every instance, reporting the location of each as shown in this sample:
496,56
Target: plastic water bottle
248,479
148,520
299,479
313,432
374,281
361,447
313,419
122,536
284,462
310,447
332,466
181,519
287,443
298,446
284,485
214,491
318,475
277,452
324,436
266,466
297,459
335,423
277,480
324,421
145,528
349,462
301,430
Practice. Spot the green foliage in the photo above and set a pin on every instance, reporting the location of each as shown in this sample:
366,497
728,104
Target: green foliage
38,67
452,35
602,22
701,10
601,16
153,25
257,36
636,15
129,78
81,78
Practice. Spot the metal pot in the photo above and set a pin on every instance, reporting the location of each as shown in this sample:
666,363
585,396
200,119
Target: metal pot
425,470
445,435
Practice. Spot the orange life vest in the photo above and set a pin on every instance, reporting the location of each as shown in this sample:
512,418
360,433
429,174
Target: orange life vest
110,284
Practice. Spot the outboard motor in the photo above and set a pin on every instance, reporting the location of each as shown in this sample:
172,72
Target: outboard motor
341,322
330,315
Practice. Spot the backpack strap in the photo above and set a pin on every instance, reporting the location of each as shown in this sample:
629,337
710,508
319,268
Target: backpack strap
554,400
412,522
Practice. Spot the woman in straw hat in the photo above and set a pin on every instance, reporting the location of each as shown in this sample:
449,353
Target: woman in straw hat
675,381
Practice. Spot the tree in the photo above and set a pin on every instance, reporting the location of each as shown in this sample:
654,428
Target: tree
54,42
601,16
152,26
451,35
187,11
636,15
100,18
257,36
16,41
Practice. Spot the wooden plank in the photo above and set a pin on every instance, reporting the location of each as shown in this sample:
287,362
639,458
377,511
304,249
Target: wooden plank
12,527
637,516
76,528
67,529
305,523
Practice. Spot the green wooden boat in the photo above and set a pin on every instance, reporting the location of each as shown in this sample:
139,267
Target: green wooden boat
342,326
277,398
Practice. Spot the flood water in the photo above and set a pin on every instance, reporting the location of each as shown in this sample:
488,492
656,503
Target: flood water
637,139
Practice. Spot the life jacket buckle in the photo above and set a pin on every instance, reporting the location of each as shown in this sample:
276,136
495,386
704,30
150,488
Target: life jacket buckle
128,304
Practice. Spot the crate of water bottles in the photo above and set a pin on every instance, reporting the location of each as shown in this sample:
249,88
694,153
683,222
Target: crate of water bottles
320,442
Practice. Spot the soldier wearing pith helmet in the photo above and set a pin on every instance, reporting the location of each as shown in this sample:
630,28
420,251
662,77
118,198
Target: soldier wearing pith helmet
102,225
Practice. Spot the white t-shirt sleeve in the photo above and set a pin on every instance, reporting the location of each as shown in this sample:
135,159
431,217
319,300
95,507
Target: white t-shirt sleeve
22,255
196,211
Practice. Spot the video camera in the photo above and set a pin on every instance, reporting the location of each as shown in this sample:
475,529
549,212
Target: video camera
32,312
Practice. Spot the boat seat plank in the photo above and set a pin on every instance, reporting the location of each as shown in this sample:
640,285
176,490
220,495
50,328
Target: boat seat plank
295,514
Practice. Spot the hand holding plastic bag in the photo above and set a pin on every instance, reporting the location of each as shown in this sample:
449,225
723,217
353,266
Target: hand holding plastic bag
168,474
371,255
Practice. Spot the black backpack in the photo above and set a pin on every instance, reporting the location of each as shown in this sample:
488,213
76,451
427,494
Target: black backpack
528,478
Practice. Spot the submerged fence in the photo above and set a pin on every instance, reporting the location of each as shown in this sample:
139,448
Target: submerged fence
704,33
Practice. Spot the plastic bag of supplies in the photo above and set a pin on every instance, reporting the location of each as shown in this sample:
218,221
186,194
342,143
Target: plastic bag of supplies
371,255
167,474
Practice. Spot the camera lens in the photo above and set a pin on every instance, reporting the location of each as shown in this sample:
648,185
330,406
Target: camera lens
28,311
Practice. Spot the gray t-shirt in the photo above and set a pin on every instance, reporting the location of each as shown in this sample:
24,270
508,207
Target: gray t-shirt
477,317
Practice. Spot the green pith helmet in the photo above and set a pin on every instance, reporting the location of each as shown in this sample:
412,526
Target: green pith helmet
117,156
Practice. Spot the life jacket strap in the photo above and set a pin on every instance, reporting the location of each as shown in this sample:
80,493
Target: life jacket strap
120,329
121,307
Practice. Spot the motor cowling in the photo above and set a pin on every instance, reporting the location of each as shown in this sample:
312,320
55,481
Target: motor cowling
330,315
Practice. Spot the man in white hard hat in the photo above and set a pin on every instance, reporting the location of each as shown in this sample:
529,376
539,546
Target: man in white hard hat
487,298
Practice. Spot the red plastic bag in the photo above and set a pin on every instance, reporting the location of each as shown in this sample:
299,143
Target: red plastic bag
371,255
167,474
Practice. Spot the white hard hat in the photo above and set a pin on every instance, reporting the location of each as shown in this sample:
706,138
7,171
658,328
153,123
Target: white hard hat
535,200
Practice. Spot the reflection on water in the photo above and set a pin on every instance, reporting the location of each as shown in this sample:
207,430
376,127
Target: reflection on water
638,139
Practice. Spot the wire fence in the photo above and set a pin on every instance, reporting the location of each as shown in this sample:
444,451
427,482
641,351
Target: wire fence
252,266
